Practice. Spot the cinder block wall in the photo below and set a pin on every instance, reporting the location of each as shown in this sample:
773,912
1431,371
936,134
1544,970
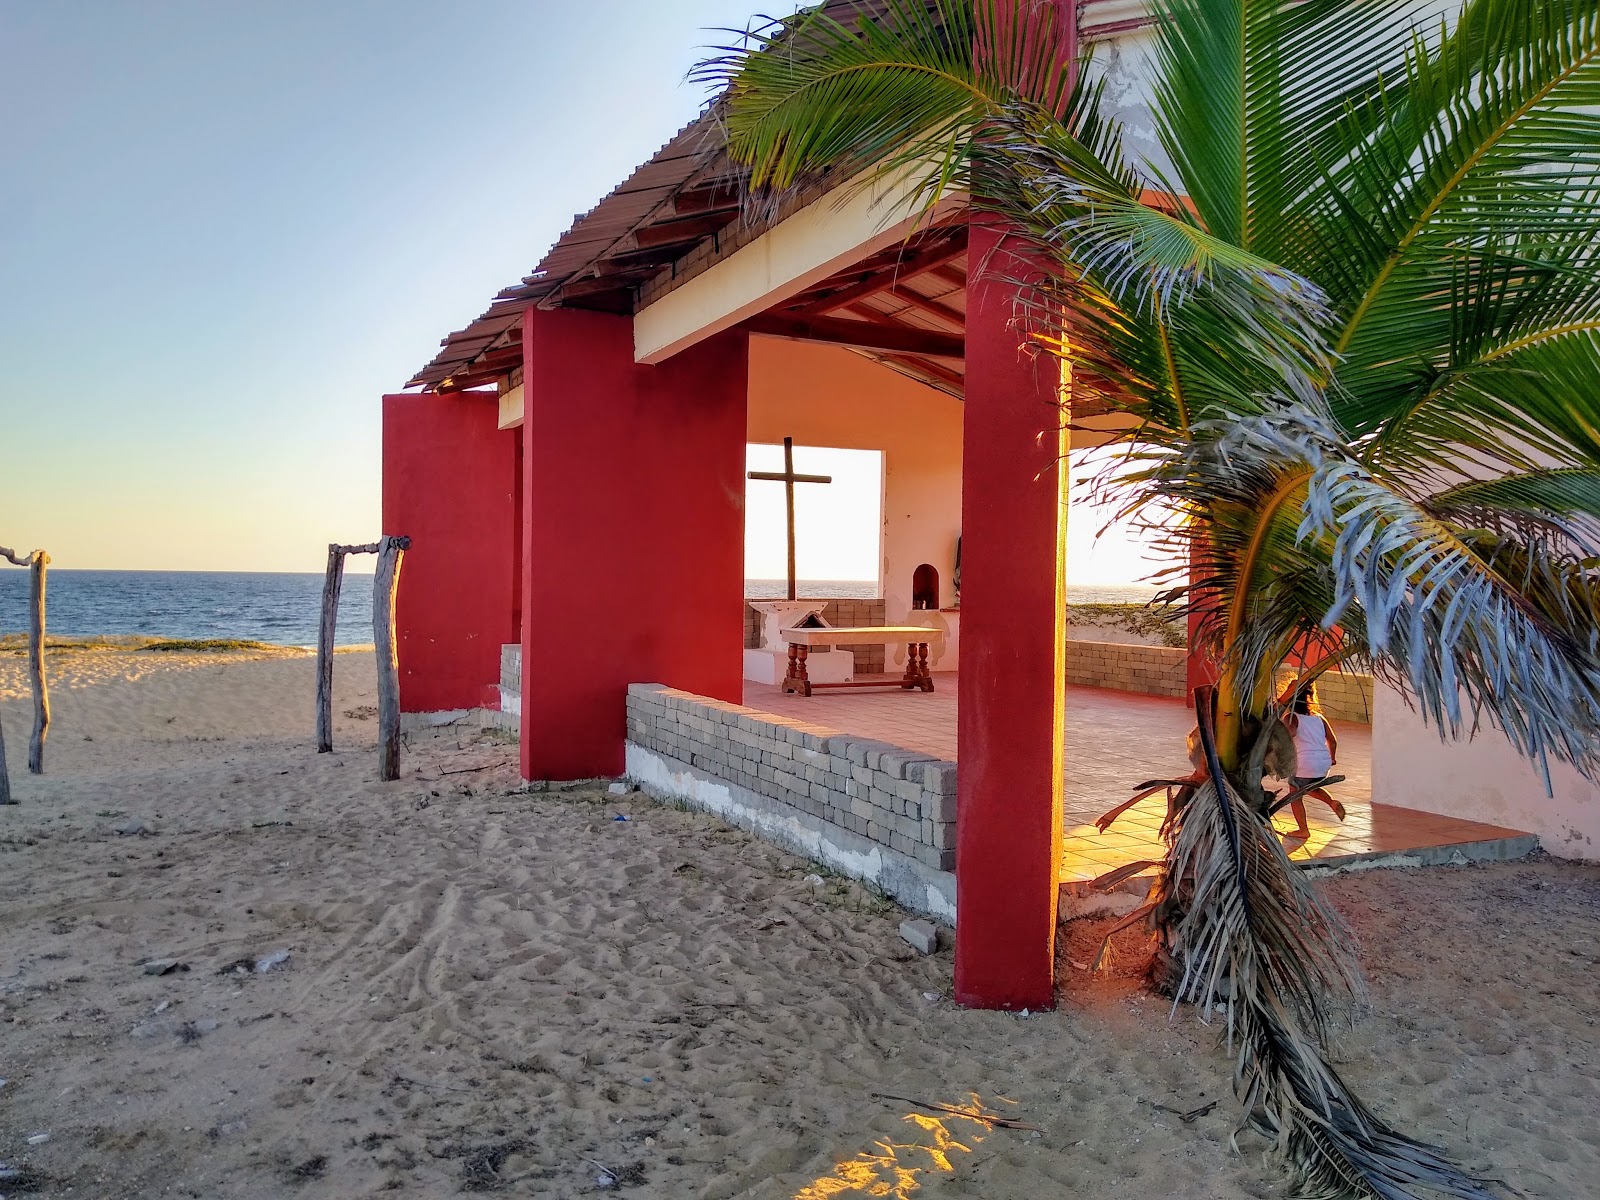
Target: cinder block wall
845,611
1160,671
1154,670
903,800
1346,697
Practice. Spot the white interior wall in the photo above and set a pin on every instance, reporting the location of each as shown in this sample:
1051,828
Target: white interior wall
826,396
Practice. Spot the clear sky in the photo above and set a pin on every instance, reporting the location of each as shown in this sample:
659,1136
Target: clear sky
226,229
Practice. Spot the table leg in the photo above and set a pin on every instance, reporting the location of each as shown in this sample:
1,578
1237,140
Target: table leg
910,682
804,678
922,666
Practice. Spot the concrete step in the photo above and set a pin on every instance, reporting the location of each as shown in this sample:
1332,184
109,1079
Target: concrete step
1077,898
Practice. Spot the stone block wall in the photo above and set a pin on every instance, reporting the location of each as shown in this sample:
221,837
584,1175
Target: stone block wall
1346,697
845,611
1154,670
1162,671
902,801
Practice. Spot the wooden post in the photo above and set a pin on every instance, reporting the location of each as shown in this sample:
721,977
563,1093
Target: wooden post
41,688
331,587
36,564
5,779
330,615
391,550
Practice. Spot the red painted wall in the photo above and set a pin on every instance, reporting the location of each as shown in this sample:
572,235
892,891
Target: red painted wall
449,476
633,532
1012,678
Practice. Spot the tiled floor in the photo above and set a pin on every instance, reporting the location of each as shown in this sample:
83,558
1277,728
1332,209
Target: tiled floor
1115,740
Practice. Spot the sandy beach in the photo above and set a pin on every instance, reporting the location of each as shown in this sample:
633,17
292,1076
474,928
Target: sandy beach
489,990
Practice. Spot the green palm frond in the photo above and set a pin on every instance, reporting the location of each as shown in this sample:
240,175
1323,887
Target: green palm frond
813,93
1562,503
1487,157
1248,96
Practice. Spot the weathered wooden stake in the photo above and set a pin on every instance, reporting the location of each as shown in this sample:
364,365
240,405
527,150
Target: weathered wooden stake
391,550
330,615
36,564
331,587
41,688
5,779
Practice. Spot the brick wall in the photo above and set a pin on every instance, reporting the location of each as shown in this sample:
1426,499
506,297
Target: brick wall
1155,670
1160,671
842,612
1346,697
903,800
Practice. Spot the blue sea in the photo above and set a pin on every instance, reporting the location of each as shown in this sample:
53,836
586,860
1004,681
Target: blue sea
283,609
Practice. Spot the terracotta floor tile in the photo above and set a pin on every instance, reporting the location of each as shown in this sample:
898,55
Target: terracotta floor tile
1115,740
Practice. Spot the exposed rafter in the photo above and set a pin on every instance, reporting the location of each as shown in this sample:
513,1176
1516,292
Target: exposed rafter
922,303
882,278
864,335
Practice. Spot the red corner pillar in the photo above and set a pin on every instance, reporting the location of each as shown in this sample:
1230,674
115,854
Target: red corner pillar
633,532
1013,654
449,484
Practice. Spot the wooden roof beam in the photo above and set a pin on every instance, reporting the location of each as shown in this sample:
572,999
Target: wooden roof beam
924,304
704,200
944,374
931,259
461,382
863,335
673,233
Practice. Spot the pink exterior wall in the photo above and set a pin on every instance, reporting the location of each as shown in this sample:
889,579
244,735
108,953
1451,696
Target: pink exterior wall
828,396
633,547
1480,780
448,484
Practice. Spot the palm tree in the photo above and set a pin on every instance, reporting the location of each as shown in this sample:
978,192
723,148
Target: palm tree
1357,314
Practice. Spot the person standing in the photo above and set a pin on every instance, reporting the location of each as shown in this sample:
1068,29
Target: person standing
1316,749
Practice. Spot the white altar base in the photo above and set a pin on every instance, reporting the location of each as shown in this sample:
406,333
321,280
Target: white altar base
824,666
770,664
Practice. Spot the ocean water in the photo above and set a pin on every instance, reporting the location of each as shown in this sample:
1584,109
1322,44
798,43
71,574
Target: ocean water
282,609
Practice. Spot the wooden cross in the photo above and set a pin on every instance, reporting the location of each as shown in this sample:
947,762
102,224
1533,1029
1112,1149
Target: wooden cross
788,478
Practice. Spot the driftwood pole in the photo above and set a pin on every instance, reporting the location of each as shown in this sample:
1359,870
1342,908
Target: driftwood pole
41,688
5,779
332,585
36,564
387,577
330,615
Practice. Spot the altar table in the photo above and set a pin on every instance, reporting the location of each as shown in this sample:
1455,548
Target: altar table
915,637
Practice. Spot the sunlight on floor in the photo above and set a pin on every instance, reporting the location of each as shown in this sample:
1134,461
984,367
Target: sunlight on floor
894,1170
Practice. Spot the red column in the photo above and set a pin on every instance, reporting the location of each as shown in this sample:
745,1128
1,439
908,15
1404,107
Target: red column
633,532
1013,656
449,477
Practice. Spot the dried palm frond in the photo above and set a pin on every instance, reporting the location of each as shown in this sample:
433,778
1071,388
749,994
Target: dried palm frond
1246,937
